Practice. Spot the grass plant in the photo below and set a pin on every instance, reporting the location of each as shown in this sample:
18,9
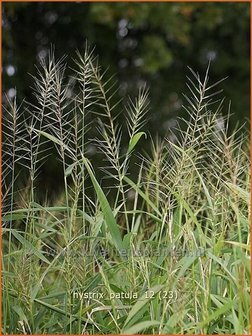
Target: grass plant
166,252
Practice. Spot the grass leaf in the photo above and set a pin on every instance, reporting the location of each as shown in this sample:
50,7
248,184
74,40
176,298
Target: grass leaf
107,212
29,246
139,327
134,140
142,301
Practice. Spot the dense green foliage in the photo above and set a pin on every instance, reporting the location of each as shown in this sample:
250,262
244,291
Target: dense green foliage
177,236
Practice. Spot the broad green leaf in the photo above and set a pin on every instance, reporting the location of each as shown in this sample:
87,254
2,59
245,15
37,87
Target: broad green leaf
53,308
53,139
218,300
50,296
109,218
142,301
62,312
70,169
139,327
134,140
50,137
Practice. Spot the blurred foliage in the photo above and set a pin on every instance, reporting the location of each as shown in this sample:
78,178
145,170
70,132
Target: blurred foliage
140,42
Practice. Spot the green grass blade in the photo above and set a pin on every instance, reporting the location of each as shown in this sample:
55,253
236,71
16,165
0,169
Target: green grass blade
216,314
143,300
134,141
142,194
29,246
139,327
109,218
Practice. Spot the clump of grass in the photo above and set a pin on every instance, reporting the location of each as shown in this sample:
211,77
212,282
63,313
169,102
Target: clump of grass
173,260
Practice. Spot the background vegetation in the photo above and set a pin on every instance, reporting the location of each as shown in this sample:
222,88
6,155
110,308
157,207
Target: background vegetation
139,42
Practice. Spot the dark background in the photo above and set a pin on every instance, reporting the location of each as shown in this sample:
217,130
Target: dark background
139,42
